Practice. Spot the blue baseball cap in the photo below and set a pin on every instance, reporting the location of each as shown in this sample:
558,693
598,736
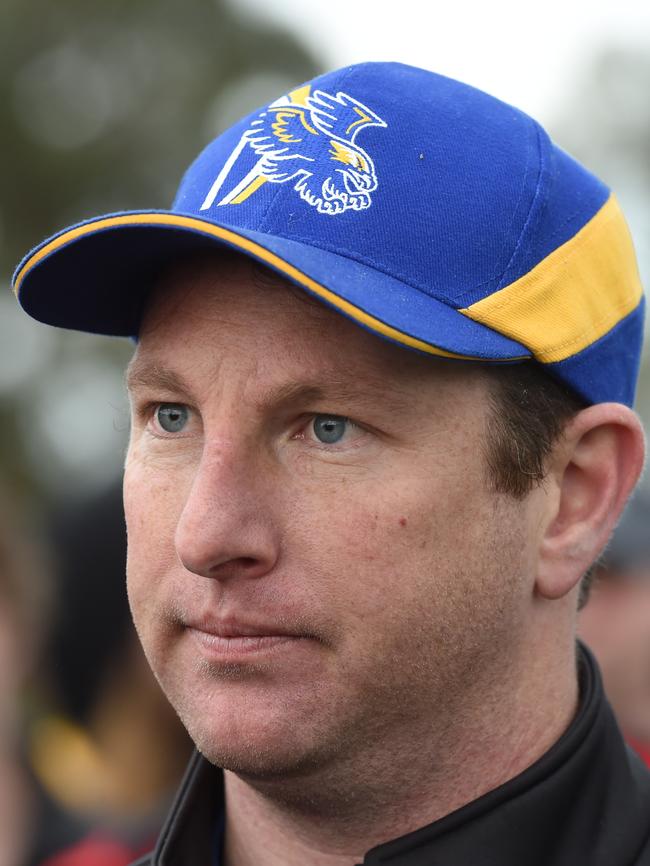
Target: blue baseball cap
425,210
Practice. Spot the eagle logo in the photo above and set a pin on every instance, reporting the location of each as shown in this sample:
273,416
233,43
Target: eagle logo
308,140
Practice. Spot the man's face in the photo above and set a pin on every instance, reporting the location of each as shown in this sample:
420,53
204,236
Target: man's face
317,563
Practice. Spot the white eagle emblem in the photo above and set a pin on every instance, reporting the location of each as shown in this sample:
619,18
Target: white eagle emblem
309,139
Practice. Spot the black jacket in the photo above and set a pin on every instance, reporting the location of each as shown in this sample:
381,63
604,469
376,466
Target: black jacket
586,802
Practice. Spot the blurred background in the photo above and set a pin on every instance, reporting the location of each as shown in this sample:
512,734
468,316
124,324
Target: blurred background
103,106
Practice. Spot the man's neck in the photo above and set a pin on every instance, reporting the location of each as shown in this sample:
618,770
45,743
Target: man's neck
332,818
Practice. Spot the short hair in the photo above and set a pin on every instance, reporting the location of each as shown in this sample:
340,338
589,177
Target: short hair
528,414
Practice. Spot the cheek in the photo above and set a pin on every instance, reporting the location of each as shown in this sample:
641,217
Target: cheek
153,502
400,519
374,543
437,536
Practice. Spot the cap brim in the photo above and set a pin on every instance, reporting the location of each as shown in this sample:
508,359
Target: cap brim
96,275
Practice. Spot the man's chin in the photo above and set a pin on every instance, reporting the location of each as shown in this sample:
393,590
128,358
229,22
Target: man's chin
264,741
258,760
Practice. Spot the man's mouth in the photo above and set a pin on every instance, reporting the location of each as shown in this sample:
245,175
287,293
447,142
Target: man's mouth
230,637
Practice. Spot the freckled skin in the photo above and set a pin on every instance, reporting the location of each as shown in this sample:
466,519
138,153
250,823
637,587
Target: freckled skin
245,513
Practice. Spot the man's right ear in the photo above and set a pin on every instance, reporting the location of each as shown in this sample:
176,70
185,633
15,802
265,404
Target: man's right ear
594,467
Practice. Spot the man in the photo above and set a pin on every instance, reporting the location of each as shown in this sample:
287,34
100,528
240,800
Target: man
355,553
615,623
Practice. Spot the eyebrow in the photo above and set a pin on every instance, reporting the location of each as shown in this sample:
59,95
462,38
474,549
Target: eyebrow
373,395
145,374
294,392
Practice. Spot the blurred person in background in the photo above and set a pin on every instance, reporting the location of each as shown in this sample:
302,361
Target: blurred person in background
31,824
615,623
89,747
108,751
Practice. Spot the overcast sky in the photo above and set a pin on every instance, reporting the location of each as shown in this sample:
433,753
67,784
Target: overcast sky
523,52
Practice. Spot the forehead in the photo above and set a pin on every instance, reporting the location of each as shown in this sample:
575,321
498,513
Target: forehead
210,311
226,293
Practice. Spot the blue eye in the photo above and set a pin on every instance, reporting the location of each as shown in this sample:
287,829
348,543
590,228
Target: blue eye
329,429
172,417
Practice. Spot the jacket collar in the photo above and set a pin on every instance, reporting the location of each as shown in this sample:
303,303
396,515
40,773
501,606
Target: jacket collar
587,800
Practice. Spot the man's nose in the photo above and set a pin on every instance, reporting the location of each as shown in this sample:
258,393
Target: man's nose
225,531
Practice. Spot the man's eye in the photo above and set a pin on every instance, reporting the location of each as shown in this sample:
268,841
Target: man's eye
329,429
172,417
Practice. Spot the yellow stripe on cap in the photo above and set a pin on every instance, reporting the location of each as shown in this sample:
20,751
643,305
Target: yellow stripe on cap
242,243
572,297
